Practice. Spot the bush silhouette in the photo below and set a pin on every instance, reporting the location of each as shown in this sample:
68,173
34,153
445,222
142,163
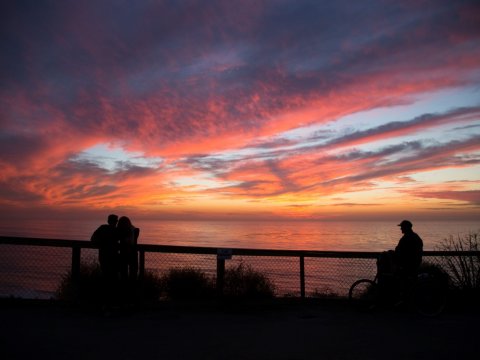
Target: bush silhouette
463,270
87,289
91,289
244,282
436,271
187,283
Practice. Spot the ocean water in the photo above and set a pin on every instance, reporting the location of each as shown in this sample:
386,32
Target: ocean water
36,272
290,235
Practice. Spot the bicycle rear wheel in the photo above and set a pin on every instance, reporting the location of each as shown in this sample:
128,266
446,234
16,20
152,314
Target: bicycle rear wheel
363,294
429,297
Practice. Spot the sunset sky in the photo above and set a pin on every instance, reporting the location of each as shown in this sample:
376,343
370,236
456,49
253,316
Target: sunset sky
240,109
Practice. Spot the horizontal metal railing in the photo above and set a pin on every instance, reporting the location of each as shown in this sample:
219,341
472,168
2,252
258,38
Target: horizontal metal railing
76,247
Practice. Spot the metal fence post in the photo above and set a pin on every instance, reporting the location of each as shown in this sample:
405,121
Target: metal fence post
141,270
302,276
220,275
75,262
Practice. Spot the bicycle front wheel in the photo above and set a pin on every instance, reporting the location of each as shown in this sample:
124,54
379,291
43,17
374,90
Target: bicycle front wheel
363,294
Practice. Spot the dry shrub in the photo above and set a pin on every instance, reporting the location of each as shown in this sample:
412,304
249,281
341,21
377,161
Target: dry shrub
464,269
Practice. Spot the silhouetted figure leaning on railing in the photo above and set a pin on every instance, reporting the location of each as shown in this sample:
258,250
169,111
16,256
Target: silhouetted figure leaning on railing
107,239
128,236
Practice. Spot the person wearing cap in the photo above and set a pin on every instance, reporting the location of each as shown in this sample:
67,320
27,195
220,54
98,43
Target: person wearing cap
408,253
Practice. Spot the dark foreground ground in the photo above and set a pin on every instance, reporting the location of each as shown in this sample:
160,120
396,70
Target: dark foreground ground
280,330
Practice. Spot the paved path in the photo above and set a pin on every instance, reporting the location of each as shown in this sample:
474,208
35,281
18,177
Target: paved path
295,331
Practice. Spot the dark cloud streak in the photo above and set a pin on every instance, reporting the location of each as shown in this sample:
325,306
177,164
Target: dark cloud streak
199,82
85,55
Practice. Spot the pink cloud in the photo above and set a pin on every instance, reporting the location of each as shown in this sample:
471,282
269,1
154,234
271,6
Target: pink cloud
195,79
469,196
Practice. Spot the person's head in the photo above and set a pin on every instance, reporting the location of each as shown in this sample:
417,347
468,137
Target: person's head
112,219
405,226
124,223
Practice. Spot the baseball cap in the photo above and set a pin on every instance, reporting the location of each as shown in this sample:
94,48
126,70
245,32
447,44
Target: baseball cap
406,223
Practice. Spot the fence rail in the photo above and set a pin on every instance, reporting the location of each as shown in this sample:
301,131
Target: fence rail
293,270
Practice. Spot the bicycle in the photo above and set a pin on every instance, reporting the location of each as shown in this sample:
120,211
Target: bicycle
427,293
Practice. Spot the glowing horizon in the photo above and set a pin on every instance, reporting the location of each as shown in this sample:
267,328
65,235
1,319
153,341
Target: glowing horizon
251,110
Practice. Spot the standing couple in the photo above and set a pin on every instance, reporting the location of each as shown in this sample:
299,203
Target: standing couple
117,252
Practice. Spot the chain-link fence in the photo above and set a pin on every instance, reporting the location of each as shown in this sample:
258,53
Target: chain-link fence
32,271
34,268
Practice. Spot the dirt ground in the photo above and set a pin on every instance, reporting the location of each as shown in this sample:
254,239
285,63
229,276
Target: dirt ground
299,330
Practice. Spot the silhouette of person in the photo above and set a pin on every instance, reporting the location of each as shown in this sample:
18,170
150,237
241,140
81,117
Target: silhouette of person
408,252
128,236
106,237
